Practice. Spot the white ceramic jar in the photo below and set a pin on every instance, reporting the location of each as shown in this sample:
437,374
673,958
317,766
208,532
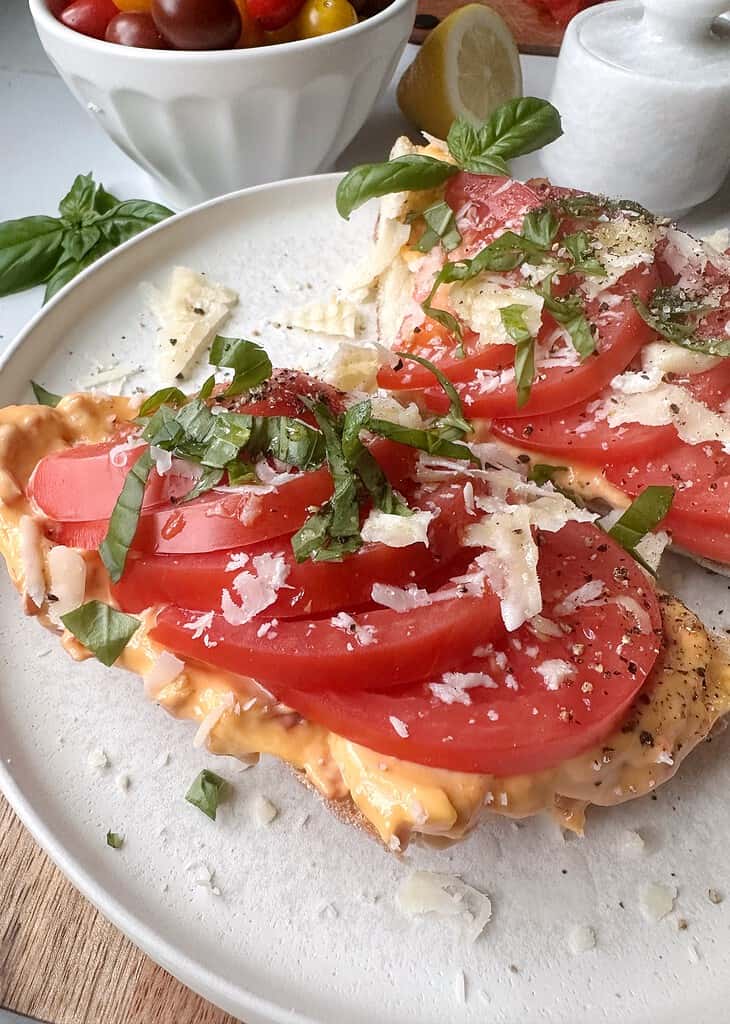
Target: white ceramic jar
644,92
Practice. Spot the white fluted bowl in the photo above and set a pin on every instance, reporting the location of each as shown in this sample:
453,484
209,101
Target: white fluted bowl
204,123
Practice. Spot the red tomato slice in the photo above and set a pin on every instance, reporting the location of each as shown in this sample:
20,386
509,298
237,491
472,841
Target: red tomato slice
279,396
485,203
618,338
83,483
706,540
504,730
576,433
382,647
197,580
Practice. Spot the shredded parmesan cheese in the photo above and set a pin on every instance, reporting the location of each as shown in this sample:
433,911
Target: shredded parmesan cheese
426,892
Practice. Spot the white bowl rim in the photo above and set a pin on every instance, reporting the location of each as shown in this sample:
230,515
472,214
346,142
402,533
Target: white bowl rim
43,17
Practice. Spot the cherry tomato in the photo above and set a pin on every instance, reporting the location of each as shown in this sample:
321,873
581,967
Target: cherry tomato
198,24
320,17
134,6
56,6
275,14
251,32
135,29
90,17
287,34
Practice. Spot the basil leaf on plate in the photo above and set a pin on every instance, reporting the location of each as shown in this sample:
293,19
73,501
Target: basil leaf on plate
540,473
206,792
518,127
440,227
68,269
454,421
128,218
165,396
114,840
582,251
207,386
101,629
29,251
676,318
644,513
241,472
513,321
44,397
209,478
410,173
431,441
570,314
468,144
540,227
125,517
367,467
79,200
250,363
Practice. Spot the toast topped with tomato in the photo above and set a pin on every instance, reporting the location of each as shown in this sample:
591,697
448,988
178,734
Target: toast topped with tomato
401,614
581,332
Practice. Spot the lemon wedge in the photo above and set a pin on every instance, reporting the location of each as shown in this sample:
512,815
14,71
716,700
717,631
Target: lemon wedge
467,67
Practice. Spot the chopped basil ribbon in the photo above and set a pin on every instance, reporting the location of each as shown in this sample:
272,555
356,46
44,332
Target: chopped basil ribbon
241,472
454,420
540,227
591,206
540,473
209,478
582,251
517,127
250,363
206,389
114,840
165,396
675,317
101,629
570,314
206,792
367,467
410,173
641,517
125,518
440,227
44,397
513,321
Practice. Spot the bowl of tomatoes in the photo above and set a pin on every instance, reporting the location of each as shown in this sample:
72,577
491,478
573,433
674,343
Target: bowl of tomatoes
209,96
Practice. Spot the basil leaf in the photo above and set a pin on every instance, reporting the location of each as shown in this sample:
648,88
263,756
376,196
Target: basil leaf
454,420
410,173
114,840
30,249
440,227
540,227
249,362
540,473
570,314
431,441
79,242
44,397
343,503
287,439
520,126
315,539
165,396
581,248
125,517
101,629
447,320
104,201
241,472
128,218
676,319
643,515
163,429
229,436
469,145
206,792
513,321
366,466
210,478
68,269
78,200
206,389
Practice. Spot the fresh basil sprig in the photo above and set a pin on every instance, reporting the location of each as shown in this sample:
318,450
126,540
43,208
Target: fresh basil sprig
206,792
642,516
44,397
53,250
676,318
440,227
517,127
101,629
513,321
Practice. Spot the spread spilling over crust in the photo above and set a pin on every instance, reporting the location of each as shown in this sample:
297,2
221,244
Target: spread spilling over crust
685,694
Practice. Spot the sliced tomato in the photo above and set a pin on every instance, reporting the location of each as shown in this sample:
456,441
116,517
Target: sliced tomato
577,433
279,396
83,483
597,664
198,580
382,648
706,540
620,335
485,203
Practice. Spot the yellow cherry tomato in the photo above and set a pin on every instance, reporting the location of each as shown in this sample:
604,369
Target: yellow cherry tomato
134,6
287,34
251,32
320,17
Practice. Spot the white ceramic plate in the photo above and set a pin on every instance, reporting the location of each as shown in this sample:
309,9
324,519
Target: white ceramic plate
305,927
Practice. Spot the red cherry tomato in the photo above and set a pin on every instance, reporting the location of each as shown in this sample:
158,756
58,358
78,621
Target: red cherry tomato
90,17
56,6
198,24
274,14
135,29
